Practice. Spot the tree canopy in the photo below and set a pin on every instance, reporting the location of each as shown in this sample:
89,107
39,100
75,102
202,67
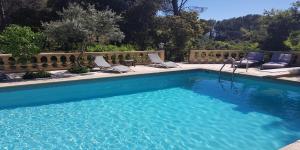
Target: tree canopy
81,26
21,42
269,30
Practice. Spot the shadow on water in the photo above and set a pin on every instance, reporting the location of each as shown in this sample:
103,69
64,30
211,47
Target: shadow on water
271,98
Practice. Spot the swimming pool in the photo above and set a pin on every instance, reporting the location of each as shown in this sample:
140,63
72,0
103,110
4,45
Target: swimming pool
179,110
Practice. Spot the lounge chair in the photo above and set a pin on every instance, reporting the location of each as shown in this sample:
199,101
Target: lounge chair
278,60
3,76
157,62
104,65
251,59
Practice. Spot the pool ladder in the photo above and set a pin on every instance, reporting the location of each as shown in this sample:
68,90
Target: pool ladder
233,65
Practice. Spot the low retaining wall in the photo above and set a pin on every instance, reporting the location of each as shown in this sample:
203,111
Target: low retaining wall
63,61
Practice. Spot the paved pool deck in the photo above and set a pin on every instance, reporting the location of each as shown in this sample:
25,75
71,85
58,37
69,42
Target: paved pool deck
290,74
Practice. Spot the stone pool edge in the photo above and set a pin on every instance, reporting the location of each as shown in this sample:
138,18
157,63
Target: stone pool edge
95,75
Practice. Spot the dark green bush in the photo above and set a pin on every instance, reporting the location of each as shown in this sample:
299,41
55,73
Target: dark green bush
104,48
210,44
293,41
34,75
78,69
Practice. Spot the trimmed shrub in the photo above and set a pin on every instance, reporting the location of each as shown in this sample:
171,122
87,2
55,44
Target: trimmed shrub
293,41
34,75
105,48
78,69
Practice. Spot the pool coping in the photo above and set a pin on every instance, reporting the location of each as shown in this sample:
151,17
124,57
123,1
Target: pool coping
86,77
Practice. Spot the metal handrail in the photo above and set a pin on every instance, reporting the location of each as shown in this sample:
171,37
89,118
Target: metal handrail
232,60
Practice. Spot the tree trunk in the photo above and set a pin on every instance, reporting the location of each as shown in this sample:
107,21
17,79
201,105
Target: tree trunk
175,7
80,56
3,17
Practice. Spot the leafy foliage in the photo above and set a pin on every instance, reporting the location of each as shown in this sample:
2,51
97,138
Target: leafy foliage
293,40
97,23
79,69
104,48
24,12
34,75
179,32
139,23
236,29
208,44
174,7
79,27
269,31
278,26
21,42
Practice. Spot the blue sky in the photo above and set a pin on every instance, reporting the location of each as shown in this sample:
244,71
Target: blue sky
224,9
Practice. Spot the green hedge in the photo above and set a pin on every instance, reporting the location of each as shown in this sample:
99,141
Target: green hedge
104,48
209,44
34,75
78,69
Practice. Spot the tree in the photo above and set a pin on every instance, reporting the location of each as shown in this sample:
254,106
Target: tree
139,21
174,7
118,6
6,8
278,26
293,41
21,42
241,28
31,13
179,32
23,12
79,26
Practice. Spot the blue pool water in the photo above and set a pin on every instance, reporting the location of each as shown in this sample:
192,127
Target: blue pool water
184,110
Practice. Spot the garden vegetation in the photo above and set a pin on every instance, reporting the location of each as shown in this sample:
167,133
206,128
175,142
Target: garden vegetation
29,26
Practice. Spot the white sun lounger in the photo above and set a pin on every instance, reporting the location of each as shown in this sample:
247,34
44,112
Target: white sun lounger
157,62
103,64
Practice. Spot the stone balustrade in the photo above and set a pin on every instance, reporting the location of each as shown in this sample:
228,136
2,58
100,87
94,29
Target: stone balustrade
62,61
220,56
213,56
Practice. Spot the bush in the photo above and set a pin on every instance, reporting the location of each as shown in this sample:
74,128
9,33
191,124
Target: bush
293,41
78,69
34,75
21,42
209,44
105,48
81,25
